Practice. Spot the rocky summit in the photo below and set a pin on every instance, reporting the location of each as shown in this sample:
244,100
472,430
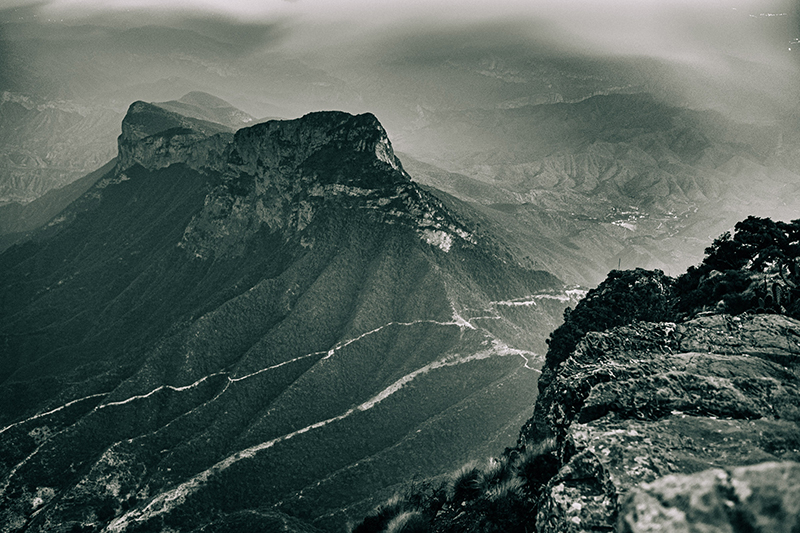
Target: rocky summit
267,329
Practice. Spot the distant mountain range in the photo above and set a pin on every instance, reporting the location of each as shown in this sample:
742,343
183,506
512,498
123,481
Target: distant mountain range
46,144
579,188
275,326
613,180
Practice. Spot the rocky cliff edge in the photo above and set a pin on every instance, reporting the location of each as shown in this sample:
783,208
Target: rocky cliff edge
675,427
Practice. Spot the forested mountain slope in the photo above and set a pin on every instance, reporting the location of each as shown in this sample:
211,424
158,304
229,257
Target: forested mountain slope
254,328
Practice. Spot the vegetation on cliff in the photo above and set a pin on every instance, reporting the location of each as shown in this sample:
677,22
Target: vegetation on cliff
757,269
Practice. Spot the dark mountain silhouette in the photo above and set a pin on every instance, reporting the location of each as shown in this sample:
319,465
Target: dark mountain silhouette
232,330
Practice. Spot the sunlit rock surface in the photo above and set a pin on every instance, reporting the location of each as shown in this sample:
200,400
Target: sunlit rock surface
640,402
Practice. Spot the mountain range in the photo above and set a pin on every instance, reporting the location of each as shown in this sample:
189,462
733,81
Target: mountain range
223,321
613,180
580,163
619,180
262,326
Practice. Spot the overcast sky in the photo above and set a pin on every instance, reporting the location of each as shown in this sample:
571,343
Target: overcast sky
655,27
708,37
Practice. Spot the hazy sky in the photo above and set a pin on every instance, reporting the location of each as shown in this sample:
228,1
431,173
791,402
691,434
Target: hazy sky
656,27
720,38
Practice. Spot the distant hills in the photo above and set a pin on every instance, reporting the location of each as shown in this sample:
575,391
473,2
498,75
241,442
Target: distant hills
256,328
46,144
204,106
613,180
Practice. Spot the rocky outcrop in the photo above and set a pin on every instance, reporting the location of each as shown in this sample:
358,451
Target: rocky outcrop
156,138
648,400
764,497
279,174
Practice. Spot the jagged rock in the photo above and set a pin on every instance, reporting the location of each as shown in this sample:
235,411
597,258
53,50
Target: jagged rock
648,400
580,497
764,497
279,174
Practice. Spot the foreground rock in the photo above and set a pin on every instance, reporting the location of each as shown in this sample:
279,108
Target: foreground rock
763,497
648,400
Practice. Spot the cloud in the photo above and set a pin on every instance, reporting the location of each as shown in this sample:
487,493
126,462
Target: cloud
718,39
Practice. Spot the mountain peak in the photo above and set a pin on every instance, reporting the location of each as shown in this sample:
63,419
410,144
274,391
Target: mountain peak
325,143
279,174
156,138
144,119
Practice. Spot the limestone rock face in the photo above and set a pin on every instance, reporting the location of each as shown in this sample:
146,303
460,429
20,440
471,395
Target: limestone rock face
648,400
764,497
279,174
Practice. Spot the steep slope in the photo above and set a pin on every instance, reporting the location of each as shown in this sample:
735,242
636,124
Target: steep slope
240,329
196,112
645,427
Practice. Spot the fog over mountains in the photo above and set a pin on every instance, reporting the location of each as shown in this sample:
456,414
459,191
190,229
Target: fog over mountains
459,89
264,264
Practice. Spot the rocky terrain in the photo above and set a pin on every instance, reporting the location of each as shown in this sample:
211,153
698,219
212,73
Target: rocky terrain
276,326
649,400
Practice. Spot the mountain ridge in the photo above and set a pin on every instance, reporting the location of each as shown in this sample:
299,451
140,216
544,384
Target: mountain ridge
179,332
